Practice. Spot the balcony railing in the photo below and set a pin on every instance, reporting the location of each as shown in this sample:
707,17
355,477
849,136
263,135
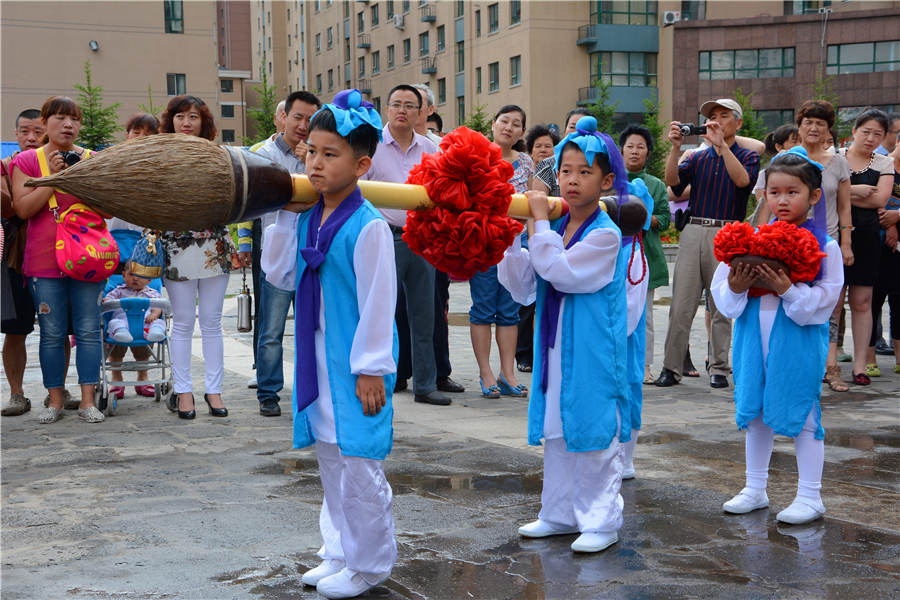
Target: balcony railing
363,41
428,65
365,86
588,94
427,13
587,34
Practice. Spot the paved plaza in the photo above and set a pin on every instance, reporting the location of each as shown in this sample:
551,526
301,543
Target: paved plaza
147,506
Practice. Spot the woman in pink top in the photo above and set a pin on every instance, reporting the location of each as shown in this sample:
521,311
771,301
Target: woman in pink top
57,296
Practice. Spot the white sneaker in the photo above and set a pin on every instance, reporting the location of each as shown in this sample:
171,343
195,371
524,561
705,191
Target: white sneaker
252,383
328,567
628,473
594,542
539,529
748,500
122,336
802,510
346,584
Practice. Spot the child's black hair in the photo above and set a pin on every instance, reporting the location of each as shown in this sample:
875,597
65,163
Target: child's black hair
779,137
791,164
363,140
601,159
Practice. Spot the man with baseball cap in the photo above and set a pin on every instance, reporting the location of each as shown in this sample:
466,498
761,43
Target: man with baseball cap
721,177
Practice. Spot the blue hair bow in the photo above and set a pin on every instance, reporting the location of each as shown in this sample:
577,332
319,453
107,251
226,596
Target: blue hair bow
351,111
592,142
801,152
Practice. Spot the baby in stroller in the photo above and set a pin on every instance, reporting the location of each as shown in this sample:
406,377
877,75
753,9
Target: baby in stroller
135,286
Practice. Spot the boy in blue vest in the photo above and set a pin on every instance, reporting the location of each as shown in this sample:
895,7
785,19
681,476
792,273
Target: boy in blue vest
579,400
340,252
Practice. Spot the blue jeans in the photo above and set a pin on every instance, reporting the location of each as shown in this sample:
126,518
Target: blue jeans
273,309
54,300
491,302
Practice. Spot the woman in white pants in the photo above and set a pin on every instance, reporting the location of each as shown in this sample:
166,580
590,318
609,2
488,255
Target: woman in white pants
197,267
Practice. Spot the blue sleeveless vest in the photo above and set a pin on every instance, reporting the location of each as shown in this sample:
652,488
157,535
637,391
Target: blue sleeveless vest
790,386
357,434
593,356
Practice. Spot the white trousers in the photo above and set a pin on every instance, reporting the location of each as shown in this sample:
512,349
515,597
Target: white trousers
810,456
582,488
188,298
628,450
648,350
356,521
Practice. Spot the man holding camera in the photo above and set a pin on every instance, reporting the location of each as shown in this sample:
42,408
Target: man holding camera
721,177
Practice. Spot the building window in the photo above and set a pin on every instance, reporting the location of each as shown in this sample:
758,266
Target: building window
376,102
407,52
228,136
176,84
624,12
460,111
442,91
405,6
362,66
440,39
319,83
376,62
289,40
374,15
493,17
318,43
174,10
515,70
227,86
627,69
390,59
515,12
478,80
388,9
346,48
346,10
477,23
869,57
493,77
423,44
330,79
330,37
460,57
361,20
747,64
460,8
773,119
227,111
804,7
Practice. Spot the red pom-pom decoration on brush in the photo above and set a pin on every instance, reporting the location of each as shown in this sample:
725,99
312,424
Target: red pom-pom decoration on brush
468,230
794,249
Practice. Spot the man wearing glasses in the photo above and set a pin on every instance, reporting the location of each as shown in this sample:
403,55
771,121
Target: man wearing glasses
399,151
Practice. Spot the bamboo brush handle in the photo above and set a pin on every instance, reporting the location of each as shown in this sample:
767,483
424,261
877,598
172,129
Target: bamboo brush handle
404,196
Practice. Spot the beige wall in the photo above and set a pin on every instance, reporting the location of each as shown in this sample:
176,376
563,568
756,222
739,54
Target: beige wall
45,44
276,42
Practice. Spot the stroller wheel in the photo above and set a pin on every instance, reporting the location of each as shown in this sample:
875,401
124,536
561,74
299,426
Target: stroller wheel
112,406
100,399
172,402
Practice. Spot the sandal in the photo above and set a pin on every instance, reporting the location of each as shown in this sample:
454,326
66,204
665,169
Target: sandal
861,379
519,391
147,391
118,391
833,378
489,392
872,370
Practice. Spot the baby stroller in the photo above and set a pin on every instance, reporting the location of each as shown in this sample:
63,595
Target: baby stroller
134,309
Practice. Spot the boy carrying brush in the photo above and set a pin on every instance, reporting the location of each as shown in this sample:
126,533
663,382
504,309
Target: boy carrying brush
340,252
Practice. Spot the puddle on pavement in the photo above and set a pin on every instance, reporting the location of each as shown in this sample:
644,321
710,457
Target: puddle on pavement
252,575
662,437
862,440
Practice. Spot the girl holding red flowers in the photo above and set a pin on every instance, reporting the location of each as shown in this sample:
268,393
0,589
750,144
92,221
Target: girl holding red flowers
492,304
780,339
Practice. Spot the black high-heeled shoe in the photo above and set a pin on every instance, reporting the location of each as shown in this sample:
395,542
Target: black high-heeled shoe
186,414
216,412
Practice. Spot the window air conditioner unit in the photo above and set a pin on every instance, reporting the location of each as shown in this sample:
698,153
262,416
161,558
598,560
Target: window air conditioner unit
670,17
398,21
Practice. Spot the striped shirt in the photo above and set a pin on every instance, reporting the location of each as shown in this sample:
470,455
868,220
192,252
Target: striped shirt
713,193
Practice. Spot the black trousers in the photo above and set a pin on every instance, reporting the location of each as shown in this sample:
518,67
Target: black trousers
441,329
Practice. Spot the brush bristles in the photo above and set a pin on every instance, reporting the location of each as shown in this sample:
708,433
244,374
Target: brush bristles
170,182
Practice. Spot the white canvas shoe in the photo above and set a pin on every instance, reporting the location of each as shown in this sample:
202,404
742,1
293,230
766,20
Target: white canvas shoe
539,529
346,583
328,567
748,500
594,542
801,510
628,473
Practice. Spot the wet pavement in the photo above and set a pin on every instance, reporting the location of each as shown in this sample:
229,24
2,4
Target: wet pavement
149,506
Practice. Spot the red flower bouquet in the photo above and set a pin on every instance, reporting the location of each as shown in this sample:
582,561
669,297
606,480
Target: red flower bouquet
795,249
468,230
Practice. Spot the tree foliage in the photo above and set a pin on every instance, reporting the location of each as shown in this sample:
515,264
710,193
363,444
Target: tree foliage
821,89
656,162
602,109
479,120
753,126
99,123
153,109
263,115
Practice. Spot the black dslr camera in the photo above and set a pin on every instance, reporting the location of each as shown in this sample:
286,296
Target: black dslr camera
70,157
691,129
